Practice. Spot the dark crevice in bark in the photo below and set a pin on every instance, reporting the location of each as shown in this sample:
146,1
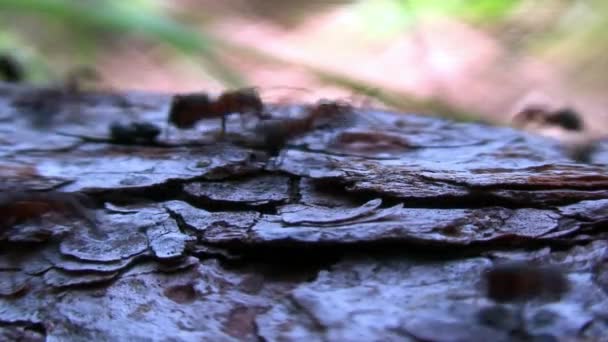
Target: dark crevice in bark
476,199
213,205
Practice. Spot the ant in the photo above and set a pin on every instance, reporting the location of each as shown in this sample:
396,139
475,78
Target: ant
327,112
570,128
565,118
187,109
275,133
520,282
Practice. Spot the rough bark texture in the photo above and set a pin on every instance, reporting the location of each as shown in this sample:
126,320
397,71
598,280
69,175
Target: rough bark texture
377,228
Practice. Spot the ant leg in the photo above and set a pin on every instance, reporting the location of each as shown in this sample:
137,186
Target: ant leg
242,119
277,160
166,133
223,131
522,328
253,115
264,115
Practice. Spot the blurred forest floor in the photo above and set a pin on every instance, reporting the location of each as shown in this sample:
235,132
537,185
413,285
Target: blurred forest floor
444,58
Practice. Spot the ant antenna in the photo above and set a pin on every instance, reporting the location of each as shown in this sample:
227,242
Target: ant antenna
300,89
289,87
167,128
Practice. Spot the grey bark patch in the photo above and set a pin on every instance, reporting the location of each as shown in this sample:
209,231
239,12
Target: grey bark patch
458,227
199,306
588,210
204,222
301,214
169,266
141,166
13,283
548,197
122,241
436,330
166,240
59,279
32,263
252,191
362,299
71,264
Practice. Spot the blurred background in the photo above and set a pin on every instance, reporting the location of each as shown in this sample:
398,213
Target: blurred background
466,59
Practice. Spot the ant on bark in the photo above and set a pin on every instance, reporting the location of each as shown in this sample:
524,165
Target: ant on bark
188,109
519,283
275,133
565,118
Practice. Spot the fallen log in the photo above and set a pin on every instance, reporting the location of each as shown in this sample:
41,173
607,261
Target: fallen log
378,227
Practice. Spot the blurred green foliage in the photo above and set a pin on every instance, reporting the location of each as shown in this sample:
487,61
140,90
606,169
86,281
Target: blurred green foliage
85,25
397,15
576,43
87,22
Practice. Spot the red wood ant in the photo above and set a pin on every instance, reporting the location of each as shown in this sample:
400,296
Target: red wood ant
518,283
565,118
275,133
188,109
515,282
565,124
327,112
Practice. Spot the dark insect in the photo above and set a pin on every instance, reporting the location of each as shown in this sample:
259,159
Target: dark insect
244,101
329,113
188,109
134,132
578,146
565,118
275,133
10,69
529,114
519,282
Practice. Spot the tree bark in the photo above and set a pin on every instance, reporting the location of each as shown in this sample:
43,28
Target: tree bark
379,227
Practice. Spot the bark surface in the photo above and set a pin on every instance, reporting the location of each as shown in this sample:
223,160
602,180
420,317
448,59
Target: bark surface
375,228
